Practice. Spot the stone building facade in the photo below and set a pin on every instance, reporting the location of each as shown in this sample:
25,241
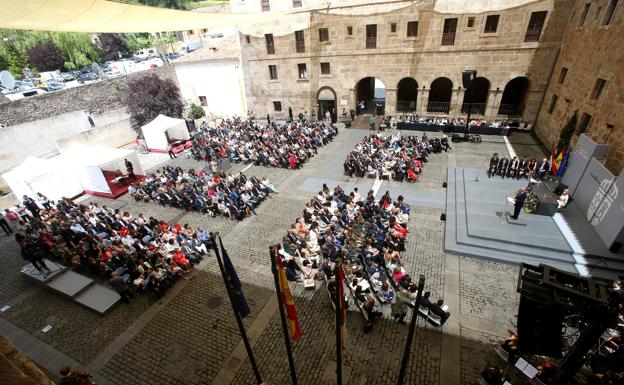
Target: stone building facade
588,80
320,56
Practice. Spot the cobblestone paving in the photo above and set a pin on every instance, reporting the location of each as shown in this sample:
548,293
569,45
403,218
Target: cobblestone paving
189,340
477,155
12,284
525,145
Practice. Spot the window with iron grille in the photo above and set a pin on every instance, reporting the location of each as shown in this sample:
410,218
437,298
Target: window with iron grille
323,34
599,88
273,71
412,29
303,70
325,69
471,22
371,36
270,44
277,106
393,28
349,30
299,41
491,23
266,7
448,32
553,103
536,23
583,16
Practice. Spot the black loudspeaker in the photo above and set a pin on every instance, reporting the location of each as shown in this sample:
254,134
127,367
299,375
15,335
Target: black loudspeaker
468,77
615,247
539,327
443,217
444,184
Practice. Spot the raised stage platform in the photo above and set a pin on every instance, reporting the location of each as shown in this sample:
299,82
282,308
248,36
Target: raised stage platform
476,225
75,286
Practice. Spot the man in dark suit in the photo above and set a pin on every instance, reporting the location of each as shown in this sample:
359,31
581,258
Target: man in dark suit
493,165
503,167
542,168
519,202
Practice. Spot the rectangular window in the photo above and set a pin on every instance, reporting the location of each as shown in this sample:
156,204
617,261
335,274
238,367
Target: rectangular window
325,70
270,44
371,36
392,27
303,71
491,23
412,29
536,23
349,30
584,124
562,75
277,106
323,34
599,88
297,4
553,103
448,33
609,14
299,41
471,22
266,7
273,71
584,15
203,101
247,39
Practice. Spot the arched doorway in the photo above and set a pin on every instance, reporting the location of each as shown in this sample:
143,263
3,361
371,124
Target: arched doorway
370,96
440,96
407,95
514,97
478,99
326,101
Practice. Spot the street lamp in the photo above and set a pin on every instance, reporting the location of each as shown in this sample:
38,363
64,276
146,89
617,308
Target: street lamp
468,77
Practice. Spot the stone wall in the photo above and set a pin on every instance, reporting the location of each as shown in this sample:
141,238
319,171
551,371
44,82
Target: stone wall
106,95
499,57
589,52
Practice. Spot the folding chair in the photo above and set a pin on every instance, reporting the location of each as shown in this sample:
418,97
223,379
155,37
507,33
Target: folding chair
423,312
435,321
502,353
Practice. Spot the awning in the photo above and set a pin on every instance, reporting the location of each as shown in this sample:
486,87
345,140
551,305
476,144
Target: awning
110,16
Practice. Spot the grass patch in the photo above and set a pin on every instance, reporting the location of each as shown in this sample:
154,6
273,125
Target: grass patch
206,3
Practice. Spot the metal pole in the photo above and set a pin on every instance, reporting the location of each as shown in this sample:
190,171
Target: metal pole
339,297
410,335
241,328
469,110
291,362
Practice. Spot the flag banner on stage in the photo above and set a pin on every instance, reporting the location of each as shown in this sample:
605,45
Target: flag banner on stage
553,157
234,284
564,164
291,311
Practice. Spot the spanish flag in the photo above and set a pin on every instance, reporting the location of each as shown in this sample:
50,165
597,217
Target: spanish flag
291,311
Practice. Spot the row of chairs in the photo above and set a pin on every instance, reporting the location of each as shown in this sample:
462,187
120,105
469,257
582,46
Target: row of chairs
432,319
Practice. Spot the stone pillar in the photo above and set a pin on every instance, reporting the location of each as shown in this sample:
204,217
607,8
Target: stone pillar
421,103
457,98
391,100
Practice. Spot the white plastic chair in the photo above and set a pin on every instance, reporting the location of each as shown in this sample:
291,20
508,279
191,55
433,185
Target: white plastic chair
423,312
434,320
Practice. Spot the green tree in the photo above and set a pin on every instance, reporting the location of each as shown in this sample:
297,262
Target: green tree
15,58
196,112
137,41
175,4
148,95
567,132
3,62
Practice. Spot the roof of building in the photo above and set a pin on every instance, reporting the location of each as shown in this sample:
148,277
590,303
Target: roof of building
213,49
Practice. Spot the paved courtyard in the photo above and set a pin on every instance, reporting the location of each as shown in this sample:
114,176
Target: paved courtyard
190,336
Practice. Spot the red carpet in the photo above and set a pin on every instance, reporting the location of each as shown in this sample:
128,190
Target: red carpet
117,190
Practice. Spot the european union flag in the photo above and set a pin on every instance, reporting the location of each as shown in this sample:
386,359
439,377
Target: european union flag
234,284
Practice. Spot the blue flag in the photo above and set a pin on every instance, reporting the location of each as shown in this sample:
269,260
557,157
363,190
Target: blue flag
234,284
564,164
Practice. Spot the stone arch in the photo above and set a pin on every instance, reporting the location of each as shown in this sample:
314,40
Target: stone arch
478,98
440,94
372,92
326,101
407,95
514,97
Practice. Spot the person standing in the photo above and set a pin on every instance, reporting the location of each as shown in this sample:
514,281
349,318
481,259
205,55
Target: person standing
90,118
399,308
129,169
372,123
290,115
328,116
519,199
118,283
5,225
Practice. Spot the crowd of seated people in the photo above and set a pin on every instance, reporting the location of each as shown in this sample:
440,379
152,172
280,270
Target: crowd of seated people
393,157
235,197
414,118
367,235
287,145
150,255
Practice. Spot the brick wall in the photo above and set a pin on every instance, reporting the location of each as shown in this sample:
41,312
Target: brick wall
105,95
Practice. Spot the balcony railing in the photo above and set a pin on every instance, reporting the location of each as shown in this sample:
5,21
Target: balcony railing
300,46
439,107
532,35
448,38
475,108
371,42
510,109
406,106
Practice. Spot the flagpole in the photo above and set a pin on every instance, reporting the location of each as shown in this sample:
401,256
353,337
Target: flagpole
410,335
291,362
239,321
339,296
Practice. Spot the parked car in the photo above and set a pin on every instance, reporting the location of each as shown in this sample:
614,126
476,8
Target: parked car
52,85
88,77
68,76
172,56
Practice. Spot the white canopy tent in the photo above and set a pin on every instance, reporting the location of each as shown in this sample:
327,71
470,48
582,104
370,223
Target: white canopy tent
96,165
52,177
158,130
